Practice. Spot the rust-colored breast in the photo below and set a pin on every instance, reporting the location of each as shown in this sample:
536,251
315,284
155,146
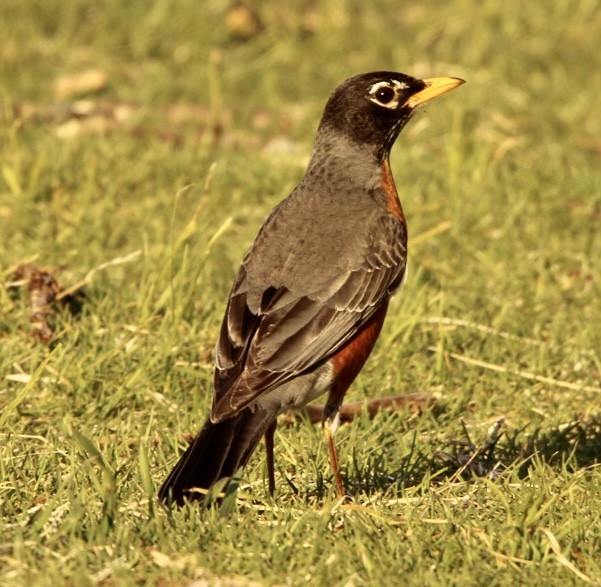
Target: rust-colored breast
392,197
349,360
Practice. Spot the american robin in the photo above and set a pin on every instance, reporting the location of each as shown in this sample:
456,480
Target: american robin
311,295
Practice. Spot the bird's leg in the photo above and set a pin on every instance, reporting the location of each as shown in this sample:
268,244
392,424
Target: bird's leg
269,455
331,420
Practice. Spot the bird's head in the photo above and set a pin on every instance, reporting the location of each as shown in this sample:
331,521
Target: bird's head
372,108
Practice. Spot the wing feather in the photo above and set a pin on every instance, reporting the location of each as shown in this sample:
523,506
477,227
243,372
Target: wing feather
273,333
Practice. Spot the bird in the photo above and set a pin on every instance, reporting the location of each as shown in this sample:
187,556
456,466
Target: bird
311,295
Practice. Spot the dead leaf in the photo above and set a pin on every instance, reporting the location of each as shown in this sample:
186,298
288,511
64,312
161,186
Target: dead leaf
44,291
89,81
242,22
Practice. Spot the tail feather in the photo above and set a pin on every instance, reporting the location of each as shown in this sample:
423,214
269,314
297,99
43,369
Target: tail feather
218,451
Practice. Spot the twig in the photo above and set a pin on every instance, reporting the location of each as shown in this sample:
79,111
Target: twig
519,373
117,261
473,462
434,231
415,402
554,544
476,326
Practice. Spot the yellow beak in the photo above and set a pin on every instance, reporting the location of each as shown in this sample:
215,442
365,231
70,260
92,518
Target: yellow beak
435,86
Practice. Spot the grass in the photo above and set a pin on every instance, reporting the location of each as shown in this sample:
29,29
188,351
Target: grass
151,199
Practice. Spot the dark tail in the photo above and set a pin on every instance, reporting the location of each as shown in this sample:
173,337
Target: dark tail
218,451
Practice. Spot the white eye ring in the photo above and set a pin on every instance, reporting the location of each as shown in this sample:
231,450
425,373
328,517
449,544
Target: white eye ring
394,85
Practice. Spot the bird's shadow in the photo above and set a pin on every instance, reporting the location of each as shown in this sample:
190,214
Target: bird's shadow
574,446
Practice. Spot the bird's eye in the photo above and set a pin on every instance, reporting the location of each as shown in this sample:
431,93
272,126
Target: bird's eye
385,95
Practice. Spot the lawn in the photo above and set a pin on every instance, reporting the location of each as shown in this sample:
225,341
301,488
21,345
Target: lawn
141,146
